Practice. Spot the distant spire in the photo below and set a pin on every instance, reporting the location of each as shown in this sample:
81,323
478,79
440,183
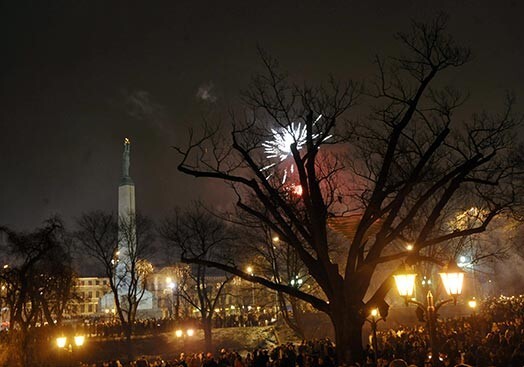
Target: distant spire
126,162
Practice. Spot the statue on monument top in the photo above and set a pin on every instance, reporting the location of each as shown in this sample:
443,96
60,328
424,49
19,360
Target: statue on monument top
126,162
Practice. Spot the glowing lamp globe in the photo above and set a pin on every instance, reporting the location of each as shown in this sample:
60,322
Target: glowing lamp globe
79,340
405,284
190,332
472,304
61,342
374,312
178,333
452,278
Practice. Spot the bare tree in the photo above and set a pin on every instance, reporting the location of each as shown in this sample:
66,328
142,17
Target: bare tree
98,236
276,260
408,166
198,234
38,284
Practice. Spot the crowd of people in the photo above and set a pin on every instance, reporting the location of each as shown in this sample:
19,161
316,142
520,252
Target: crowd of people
492,337
315,353
111,328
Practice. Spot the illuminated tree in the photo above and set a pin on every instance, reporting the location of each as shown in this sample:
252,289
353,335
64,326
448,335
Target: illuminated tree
386,180
97,236
198,234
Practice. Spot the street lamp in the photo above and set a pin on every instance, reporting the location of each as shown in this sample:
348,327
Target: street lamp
373,319
452,278
249,270
61,342
78,341
171,285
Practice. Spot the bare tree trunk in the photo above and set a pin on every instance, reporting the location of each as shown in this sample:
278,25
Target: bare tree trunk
294,323
128,332
348,334
208,336
177,306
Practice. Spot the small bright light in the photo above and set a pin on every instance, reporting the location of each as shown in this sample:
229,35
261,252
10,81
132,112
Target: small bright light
250,270
374,312
190,332
297,190
6,266
61,342
79,340
106,310
232,307
168,280
299,281
409,247
179,333
463,259
405,284
292,282
276,239
472,303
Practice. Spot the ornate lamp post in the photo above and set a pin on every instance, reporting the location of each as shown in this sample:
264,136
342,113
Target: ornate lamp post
452,278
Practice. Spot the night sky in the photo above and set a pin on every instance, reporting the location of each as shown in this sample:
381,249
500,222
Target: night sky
79,76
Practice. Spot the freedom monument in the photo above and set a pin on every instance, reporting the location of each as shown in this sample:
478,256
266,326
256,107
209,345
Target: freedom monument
126,242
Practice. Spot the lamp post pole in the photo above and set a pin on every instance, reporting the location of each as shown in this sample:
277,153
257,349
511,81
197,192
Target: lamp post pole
373,321
452,278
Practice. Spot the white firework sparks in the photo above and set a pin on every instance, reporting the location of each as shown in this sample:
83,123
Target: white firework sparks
280,146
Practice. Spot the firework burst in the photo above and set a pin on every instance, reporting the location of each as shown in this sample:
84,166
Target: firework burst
279,146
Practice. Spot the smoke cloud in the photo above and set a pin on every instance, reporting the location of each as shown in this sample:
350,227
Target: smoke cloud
205,92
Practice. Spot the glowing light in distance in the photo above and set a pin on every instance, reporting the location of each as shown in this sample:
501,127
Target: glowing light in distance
297,190
190,332
409,247
472,303
374,312
179,333
79,340
61,342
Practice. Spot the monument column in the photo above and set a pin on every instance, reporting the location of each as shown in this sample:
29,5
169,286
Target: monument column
126,204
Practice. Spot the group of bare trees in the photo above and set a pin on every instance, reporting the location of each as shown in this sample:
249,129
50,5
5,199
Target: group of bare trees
396,176
37,282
